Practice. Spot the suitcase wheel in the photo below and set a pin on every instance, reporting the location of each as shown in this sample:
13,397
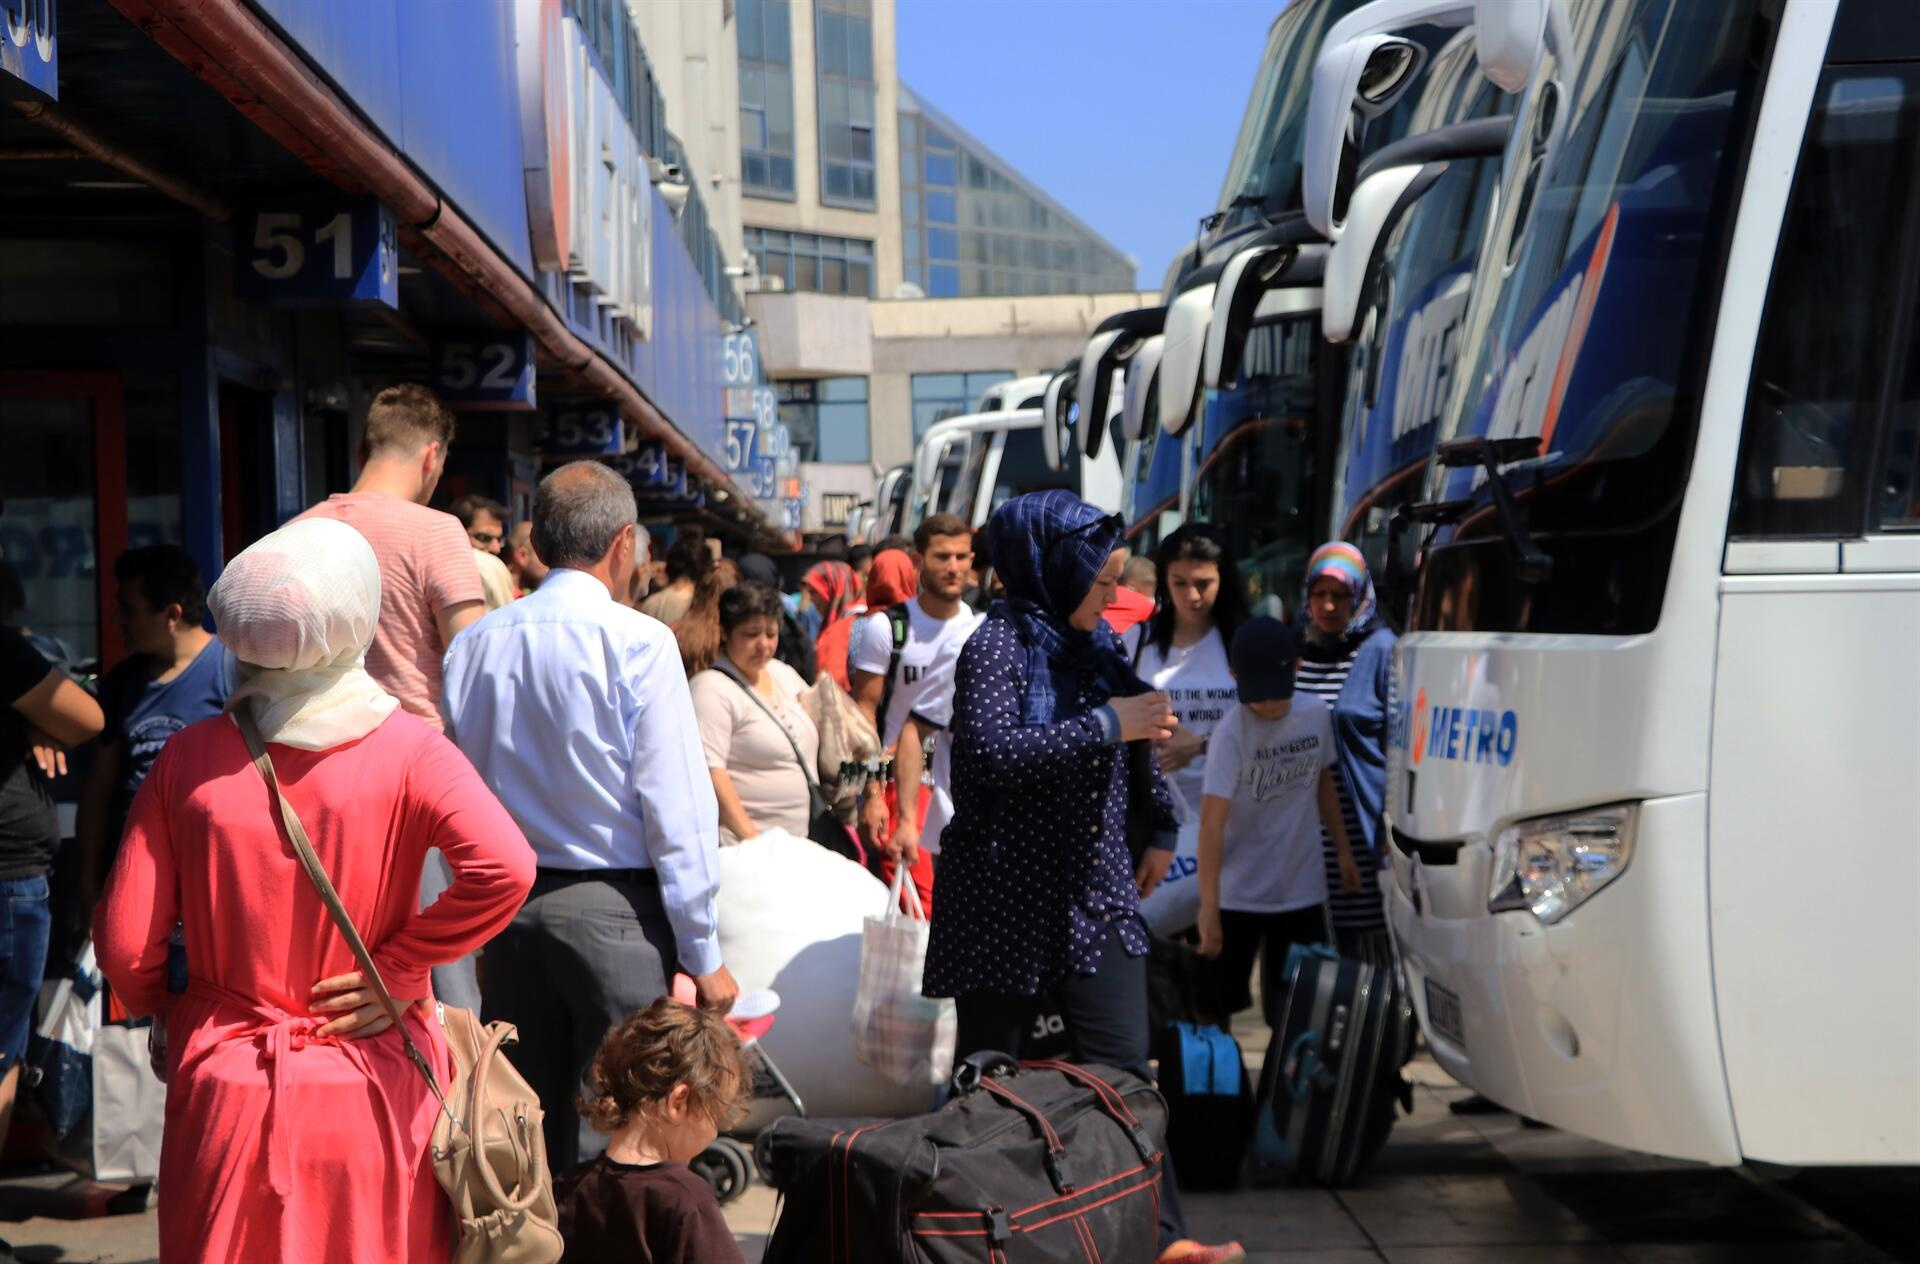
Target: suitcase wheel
725,1168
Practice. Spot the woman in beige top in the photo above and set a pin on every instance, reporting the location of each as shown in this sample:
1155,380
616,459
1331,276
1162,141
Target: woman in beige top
751,719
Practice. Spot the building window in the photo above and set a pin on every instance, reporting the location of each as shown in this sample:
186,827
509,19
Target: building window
826,418
843,45
766,98
809,261
961,206
940,395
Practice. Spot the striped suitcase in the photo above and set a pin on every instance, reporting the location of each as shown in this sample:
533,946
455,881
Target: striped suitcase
1332,1078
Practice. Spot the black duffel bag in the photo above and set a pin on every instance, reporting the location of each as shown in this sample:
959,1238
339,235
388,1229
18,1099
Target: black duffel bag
1033,1161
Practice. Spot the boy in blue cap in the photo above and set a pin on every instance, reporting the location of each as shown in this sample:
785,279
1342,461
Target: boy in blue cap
1267,795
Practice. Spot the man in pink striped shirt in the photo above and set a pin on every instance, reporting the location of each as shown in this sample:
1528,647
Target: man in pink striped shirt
429,586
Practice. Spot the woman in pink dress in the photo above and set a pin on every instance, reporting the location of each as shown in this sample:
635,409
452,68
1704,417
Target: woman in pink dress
297,1130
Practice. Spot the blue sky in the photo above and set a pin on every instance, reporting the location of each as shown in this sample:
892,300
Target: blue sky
1043,83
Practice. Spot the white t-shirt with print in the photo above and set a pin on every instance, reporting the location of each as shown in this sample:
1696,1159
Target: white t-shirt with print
1270,771
925,689
1198,682
925,686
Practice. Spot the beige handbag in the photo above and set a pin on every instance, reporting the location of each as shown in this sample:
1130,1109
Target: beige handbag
489,1153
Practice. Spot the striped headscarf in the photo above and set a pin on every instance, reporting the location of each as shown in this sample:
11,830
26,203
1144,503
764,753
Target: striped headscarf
1339,560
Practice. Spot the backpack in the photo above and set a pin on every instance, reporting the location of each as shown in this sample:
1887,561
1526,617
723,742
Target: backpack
898,624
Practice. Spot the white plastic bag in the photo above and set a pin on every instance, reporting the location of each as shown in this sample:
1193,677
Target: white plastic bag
129,1108
1174,907
898,1031
791,913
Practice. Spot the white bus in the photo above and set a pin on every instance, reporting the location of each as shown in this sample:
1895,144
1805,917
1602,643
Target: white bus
972,465
1652,801
1233,401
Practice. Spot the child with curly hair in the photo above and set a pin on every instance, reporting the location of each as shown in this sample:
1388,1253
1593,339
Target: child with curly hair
662,1085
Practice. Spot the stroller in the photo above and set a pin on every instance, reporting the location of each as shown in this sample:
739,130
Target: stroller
726,1165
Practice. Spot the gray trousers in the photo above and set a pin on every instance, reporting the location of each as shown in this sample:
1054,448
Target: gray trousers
579,957
457,982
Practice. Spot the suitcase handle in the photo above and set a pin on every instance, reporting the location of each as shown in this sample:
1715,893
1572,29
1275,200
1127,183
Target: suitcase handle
1056,1156
1301,1069
971,1070
1111,1102
1299,954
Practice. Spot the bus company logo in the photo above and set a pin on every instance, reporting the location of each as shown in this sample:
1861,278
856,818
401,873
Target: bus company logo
1472,735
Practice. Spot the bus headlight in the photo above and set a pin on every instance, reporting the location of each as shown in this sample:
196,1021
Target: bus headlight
1553,864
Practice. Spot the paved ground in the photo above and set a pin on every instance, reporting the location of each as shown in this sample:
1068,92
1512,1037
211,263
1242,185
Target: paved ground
1447,1190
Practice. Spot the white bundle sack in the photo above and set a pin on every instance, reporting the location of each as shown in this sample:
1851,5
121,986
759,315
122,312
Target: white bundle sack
897,1030
791,915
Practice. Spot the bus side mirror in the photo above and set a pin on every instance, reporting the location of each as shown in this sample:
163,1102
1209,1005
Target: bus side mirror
1376,204
1363,70
1056,432
1143,376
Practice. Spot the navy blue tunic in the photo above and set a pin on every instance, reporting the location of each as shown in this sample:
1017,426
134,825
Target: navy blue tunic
1034,865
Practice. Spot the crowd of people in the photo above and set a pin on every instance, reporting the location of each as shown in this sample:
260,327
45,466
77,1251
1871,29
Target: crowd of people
519,746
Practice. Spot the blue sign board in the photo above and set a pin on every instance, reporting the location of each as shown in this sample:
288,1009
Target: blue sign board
647,466
490,369
763,477
585,430
316,251
740,359
29,52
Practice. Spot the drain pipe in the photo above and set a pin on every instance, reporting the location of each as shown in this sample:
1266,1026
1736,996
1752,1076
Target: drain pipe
234,52
93,145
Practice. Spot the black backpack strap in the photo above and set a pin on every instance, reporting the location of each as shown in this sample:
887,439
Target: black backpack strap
897,622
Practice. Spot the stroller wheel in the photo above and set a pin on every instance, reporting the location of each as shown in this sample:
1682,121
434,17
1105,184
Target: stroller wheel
724,1167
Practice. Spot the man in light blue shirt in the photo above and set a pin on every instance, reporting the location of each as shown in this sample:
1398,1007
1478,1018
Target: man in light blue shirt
575,710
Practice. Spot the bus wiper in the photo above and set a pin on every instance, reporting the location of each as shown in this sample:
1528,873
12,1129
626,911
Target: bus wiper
1529,562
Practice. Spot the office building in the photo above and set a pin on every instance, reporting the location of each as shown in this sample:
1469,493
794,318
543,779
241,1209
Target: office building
896,265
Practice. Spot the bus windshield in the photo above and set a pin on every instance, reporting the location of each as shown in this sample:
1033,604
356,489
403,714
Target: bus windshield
1024,468
1590,319
1258,454
1264,170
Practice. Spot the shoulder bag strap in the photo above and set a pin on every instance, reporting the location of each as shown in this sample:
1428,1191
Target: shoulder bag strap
317,874
727,670
897,623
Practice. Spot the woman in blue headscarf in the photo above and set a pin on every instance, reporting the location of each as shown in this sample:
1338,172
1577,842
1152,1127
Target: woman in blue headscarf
1037,892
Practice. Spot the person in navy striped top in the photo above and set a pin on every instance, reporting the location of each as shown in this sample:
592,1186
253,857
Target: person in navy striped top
1346,659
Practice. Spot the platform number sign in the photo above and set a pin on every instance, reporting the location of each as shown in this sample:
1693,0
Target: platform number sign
317,252
740,359
647,467
585,431
763,477
491,370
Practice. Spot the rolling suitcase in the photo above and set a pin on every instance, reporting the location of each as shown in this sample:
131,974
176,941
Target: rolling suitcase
1209,1103
1331,1082
1030,1162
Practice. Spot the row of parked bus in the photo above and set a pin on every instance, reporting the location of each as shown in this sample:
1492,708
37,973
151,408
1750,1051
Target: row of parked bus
1592,322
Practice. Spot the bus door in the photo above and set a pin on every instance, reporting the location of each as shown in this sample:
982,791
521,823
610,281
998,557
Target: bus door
1814,806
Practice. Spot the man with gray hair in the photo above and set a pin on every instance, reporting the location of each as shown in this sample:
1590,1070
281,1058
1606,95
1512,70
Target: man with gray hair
575,710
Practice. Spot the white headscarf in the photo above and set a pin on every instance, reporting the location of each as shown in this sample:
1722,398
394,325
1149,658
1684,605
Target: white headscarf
297,610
